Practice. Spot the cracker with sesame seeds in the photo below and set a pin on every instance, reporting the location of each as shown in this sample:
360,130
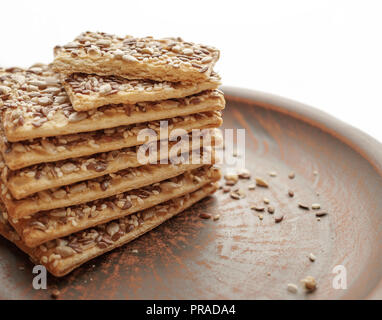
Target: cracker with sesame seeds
100,187
22,154
170,59
26,181
49,225
87,92
36,105
63,255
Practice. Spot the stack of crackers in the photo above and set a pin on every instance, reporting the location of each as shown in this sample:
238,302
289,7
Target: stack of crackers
72,184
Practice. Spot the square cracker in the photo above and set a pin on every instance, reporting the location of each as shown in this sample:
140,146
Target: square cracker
53,224
61,256
87,92
37,106
97,188
27,181
22,154
170,59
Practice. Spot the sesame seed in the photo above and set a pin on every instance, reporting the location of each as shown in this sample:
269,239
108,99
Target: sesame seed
292,288
312,257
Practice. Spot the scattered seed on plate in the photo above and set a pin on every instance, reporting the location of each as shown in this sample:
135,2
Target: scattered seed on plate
231,178
258,208
292,288
226,189
205,215
266,201
271,210
55,294
321,214
291,175
261,183
279,218
216,217
316,206
237,194
315,172
244,174
273,174
309,283
303,206
312,257
251,187
261,216
291,193
318,219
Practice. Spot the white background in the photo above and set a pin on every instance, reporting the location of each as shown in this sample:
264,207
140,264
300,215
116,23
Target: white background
324,53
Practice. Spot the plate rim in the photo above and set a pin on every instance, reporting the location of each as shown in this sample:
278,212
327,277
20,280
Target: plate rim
365,145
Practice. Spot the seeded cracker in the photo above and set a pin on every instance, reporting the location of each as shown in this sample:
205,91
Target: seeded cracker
48,225
38,106
27,153
63,255
24,182
94,189
88,92
169,59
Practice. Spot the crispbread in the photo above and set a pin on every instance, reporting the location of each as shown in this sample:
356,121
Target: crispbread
87,92
63,255
169,59
26,153
48,225
97,188
37,106
24,182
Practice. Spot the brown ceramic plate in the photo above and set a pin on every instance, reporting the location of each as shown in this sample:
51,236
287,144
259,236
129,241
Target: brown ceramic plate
240,256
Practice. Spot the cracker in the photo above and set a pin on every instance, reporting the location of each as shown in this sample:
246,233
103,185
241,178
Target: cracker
63,255
98,188
26,153
38,106
24,182
49,225
170,59
87,92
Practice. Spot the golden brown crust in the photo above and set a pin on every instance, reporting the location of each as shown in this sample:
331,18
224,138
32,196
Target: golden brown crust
26,153
37,106
24,182
136,58
49,225
63,255
87,92
98,188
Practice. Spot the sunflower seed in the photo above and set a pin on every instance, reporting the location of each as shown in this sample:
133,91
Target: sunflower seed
292,288
321,214
205,216
303,206
261,183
